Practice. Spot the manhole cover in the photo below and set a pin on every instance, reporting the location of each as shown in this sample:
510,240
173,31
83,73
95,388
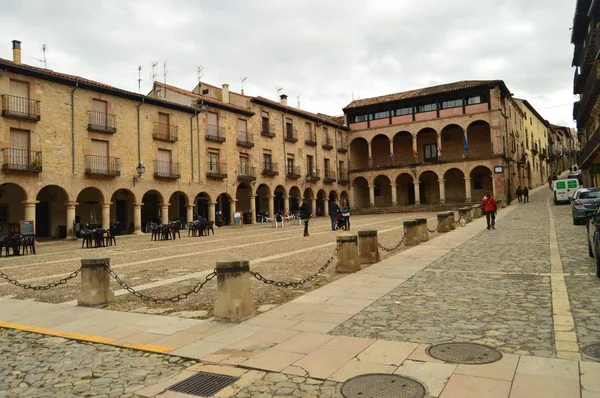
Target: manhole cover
469,353
522,277
203,384
592,350
380,385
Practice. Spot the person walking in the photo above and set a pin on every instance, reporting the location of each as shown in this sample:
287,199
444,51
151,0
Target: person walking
305,215
346,213
519,194
490,207
525,195
334,208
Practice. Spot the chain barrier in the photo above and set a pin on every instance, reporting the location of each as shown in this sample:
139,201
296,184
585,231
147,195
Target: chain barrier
174,299
302,281
432,231
44,287
394,248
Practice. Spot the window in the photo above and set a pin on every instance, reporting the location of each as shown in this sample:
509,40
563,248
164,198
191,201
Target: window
309,164
289,127
308,128
267,160
244,164
242,130
430,152
99,110
326,166
212,123
290,164
265,121
404,111
474,100
213,161
526,139
359,118
452,104
427,107
100,155
381,115
326,135
163,164
531,120
19,147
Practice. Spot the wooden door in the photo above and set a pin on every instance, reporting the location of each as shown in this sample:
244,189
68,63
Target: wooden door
99,109
100,155
164,162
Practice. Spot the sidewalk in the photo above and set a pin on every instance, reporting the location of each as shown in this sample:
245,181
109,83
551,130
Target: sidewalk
295,339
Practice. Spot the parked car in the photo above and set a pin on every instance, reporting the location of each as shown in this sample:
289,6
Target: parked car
593,238
584,203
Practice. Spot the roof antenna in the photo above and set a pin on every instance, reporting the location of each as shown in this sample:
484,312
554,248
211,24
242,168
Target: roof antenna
243,80
153,73
298,101
165,71
279,90
43,60
140,79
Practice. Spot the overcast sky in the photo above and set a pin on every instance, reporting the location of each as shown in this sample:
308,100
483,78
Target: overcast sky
324,51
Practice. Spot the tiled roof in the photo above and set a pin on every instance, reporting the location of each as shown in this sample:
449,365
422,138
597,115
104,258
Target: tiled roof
221,88
336,119
427,91
200,97
299,112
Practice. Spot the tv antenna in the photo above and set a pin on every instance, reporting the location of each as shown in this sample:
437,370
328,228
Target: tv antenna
243,79
279,90
153,73
165,71
43,60
140,79
200,73
298,101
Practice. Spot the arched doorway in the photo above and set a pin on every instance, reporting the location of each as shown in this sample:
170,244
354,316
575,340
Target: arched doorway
333,196
321,195
429,188
151,210
178,206
243,195
481,181
89,209
360,192
405,188
121,211
380,149
383,191
262,199
427,145
403,143
295,199
359,154
279,200
452,143
223,210
51,212
201,203
308,196
344,196
455,186
480,139
12,209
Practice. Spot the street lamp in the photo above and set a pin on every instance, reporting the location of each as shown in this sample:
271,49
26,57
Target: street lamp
140,171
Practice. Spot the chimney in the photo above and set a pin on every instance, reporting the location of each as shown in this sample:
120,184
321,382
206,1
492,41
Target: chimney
17,52
225,93
283,99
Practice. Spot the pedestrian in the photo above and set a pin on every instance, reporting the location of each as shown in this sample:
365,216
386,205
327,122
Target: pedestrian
525,195
490,207
554,177
334,208
519,194
305,214
346,213
550,182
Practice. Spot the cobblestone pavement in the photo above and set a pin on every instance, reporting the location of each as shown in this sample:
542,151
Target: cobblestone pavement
467,295
281,385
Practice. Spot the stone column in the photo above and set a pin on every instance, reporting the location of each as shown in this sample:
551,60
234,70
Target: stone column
350,194
137,218
468,189
232,209
394,194
326,207
271,206
190,213
106,215
372,195
234,299
95,282
370,148
444,222
286,204
368,247
30,210
253,208
313,203
442,191
71,219
211,211
348,259
164,213
411,231
493,186
417,194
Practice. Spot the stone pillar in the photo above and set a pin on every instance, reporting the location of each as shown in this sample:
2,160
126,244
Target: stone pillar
30,210
271,206
189,213
106,215
253,208
477,211
370,149
211,211
411,231
232,209
452,221
468,189
71,219
234,299
423,229
164,213
417,194
444,221
350,195
326,208
493,186
137,218
348,259
394,194
313,204
368,247
286,204
95,282
442,191
372,195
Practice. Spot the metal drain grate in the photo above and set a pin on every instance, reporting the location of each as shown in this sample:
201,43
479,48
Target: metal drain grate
203,384
592,350
522,277
380,385
468,353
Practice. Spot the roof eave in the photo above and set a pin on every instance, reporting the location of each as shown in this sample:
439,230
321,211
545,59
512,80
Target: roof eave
292,111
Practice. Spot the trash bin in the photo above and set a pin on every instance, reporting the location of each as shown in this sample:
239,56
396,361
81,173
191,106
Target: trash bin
219,220
62,232
248,218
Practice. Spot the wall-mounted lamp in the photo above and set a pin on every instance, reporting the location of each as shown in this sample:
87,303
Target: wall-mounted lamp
140,171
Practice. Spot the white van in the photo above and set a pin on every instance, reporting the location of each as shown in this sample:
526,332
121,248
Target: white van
564,189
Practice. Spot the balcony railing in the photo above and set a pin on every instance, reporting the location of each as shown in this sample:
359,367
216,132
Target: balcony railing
216,171
215,133
327,143
270,169
102,166
246,173
163,169
310,138
343,177
329,177
268,130
21,160
342,146
293,172
578,82
165,132
313,175
245,140
590,94
291,135
20,107
104,122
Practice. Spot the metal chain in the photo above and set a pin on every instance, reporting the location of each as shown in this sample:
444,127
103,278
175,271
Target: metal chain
432,231
394,248
44,287
174,299
302,281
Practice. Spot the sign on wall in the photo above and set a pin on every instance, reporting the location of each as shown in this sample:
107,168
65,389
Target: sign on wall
499,169
26,227
238,221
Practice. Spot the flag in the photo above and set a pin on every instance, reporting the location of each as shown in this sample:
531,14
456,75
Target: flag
465,143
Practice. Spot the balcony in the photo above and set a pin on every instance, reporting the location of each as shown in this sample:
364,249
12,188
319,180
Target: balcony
102,122
342,146
589,97
21,160
165,132
534,150
245,140
268,130
343,177
166,170
578,82
270,169
314,175
329,177
293,173
291,135
246,173
20,108
327,143
215,133
102,166
310,139
216,171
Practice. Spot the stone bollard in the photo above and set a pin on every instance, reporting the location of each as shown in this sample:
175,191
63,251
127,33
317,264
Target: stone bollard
477,211
500,203
411,231
348,259
234,300
368,247
423,229
445,222
452,221
95,288
465,213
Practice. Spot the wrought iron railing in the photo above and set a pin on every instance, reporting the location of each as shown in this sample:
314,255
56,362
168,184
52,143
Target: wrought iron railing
216,170
342,146
100,121
270,169
327,143
310,138
164,169
313,175
21,160
246,173
215,133
343,177
102,165
268,130
330,176
245,139
293,172
20,107
165,132
291,135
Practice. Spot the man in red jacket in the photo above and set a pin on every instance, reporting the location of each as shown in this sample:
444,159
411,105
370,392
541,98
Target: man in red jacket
490,208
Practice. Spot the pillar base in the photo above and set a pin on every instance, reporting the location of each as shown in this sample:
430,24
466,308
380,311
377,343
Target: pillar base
95,282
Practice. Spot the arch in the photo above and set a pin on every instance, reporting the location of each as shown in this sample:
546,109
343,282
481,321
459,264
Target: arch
380,151
308,196
295,199
89,209
429,187
405,186
151,208
455,186
479,138
452,147
383,190
12,208
223,209
178,206
359,154
243,195
333,195
360,192
50,211
121,210
344,195
481,181
262,198
201,204
321,197
279,199
426,143
403,144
